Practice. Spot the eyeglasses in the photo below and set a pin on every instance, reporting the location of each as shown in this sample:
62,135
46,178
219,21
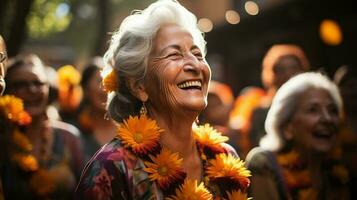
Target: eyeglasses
3,57
21,85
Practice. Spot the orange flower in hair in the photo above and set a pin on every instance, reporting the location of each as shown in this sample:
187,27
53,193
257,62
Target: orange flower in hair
110,82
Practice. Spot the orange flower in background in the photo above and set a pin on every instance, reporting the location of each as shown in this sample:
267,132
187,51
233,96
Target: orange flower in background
229,166
206,135
21,141
190,191
26,162
70,92
110,82
237,195
42,183
165,168
13,109
141,134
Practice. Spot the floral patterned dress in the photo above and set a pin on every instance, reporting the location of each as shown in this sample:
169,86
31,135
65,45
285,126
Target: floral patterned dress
116,173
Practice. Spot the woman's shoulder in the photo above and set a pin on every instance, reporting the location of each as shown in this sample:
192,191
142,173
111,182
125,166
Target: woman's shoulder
259,159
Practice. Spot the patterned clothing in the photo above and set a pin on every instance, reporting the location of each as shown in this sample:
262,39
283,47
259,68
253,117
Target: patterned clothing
64,166
116,173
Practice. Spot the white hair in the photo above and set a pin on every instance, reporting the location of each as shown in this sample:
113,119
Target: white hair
131,44
285,104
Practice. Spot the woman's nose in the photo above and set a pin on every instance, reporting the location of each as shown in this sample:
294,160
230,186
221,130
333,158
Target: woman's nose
191,63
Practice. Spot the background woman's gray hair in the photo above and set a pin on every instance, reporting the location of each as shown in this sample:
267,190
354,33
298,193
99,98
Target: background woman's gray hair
285,103
131,44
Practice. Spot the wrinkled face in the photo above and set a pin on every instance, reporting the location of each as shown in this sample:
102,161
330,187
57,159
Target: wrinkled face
95,93
29,83
178,75
315,124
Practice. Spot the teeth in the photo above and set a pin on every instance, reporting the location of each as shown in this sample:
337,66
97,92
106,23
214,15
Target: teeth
190,84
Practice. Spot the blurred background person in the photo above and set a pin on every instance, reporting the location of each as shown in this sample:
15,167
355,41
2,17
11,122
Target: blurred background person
281,62
346,79
53,160
292,161
96,129
216,113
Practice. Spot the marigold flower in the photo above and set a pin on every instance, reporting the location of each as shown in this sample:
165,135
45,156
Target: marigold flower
165,168
209,137
237,195
190,191
21,141
13,109
228,166
42,183
141,134
68,75
110,82
26,162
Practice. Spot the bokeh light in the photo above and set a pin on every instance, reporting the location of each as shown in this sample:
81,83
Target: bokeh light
330,32
232,17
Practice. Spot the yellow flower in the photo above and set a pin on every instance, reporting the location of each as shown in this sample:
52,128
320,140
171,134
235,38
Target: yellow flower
208,136
13,109
42,183
190,191
226,165
110,82
288,159
68,75
237,195
26,162
165,168
21,141
141,134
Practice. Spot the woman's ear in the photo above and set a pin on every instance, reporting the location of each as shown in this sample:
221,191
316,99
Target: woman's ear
288,132
137,89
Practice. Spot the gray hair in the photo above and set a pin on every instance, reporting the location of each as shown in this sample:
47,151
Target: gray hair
285,104
130,47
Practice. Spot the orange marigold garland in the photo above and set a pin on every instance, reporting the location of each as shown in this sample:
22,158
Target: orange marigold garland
140,134
190,190
210,138
226,173
165,169
12,109
110,82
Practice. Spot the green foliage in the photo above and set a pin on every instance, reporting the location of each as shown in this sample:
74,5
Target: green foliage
48,17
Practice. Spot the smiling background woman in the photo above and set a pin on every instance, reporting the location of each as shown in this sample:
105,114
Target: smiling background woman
294,160
157,78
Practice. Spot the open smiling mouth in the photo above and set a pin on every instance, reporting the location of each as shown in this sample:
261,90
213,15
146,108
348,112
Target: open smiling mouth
188,85
323,134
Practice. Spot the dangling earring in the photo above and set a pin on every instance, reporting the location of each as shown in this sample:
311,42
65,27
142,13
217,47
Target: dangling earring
143,110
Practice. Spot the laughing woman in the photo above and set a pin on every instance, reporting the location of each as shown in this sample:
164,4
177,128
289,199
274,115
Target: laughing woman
157,78
294,160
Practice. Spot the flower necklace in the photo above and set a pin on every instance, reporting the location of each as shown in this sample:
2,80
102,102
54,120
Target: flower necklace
299,178
225,176
12,109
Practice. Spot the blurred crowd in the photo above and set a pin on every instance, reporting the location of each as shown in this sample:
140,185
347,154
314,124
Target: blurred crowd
298,133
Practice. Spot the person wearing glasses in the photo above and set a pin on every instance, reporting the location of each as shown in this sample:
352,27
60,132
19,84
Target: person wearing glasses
45,157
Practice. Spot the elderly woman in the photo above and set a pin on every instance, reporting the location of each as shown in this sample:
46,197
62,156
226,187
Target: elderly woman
302,126
44,159
158,82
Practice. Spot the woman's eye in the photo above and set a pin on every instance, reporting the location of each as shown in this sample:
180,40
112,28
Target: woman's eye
174,55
